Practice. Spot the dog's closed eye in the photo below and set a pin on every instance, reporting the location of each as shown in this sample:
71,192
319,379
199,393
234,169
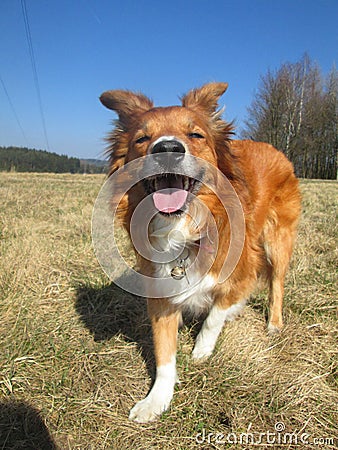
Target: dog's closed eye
142,139
195,136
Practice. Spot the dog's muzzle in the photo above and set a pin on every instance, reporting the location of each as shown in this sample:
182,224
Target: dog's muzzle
175,178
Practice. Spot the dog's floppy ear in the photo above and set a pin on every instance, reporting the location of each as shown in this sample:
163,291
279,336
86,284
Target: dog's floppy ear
126,103
205,97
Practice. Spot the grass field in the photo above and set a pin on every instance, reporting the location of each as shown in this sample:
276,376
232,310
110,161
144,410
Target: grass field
75,351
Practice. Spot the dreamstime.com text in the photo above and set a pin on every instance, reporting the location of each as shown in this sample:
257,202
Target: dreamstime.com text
268,438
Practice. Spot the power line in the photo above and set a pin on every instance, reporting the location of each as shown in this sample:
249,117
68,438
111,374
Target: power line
14,111
35,73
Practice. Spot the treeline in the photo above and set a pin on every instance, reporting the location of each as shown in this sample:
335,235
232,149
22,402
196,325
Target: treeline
295,109
22,159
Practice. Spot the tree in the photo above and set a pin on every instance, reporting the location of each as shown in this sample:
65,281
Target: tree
31,160
296,111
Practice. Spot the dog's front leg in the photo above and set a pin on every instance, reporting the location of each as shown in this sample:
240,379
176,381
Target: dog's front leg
212,327
164,320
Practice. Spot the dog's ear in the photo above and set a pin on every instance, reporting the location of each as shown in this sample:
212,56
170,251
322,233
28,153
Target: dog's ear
126,103
205,98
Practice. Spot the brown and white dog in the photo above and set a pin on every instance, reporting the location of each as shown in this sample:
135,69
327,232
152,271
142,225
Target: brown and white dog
267,189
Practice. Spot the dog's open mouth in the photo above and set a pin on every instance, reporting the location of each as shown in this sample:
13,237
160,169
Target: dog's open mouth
170,192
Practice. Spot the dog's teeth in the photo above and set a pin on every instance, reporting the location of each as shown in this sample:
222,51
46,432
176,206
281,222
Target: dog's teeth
186,183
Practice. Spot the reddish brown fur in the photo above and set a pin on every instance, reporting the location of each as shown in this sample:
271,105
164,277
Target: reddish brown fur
262,177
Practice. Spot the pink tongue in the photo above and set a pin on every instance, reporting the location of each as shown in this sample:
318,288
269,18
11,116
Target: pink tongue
170,200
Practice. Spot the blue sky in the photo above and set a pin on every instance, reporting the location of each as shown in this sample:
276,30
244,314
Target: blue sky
84,47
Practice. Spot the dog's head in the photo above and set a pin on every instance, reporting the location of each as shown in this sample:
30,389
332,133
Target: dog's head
174,133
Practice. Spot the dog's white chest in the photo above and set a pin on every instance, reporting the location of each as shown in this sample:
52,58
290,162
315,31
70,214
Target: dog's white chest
191,290
197,298
188,283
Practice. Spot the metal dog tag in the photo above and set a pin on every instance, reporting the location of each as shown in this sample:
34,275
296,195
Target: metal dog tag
178,272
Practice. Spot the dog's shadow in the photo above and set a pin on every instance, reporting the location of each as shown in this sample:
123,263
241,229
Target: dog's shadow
109,311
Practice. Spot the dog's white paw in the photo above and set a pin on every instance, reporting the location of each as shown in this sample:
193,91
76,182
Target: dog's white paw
273,329
159,398
202,351
205,344
148,409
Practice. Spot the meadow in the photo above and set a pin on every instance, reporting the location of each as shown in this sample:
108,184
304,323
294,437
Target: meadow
76,352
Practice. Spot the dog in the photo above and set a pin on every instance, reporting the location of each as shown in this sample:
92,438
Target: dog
262,181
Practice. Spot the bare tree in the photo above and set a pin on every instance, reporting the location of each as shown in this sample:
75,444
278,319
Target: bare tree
296,112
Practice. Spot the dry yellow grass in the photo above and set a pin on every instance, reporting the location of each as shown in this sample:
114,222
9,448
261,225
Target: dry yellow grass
75,351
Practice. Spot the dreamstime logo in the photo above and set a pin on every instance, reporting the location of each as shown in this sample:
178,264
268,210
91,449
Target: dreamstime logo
109,246
279,436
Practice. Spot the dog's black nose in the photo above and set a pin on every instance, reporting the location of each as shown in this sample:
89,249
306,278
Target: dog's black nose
169,146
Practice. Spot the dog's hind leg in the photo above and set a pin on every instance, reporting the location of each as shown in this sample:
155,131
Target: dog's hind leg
278,244
165,320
